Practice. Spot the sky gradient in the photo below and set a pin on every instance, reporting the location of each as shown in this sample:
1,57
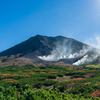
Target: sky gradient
22,19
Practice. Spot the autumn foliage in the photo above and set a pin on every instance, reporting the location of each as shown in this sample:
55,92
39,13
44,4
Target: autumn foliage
78,79
96,94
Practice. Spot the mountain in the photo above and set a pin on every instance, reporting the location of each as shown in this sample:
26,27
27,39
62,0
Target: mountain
44,49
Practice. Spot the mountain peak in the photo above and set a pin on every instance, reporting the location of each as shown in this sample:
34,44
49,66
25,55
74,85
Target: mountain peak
39,35
40,48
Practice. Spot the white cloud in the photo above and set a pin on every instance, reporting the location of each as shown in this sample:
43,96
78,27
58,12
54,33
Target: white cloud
94,41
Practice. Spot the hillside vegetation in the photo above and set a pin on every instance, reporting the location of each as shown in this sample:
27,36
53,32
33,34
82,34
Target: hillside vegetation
49,82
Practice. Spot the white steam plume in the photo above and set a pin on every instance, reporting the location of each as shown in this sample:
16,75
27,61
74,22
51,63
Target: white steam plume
86,59
64,50
95,42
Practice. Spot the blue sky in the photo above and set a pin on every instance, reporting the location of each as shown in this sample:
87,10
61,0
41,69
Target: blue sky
22,19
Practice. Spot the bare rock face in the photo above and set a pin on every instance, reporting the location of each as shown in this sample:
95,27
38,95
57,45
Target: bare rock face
43,49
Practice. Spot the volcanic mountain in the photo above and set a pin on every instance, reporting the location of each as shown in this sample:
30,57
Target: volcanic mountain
44,49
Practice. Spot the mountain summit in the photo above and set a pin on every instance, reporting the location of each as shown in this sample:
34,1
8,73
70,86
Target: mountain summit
44,49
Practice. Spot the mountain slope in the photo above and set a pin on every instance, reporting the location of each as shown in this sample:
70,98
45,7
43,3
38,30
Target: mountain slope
43,49
30,45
